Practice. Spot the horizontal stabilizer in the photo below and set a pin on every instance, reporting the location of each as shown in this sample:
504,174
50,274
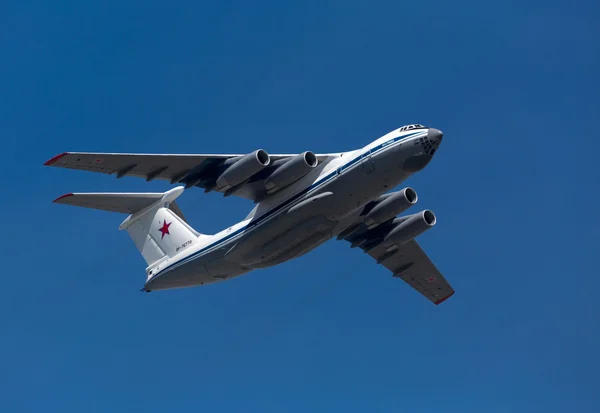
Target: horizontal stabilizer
126,203
155,222
123,202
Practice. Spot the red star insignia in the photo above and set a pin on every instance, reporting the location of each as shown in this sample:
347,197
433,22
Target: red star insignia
431,280
165,229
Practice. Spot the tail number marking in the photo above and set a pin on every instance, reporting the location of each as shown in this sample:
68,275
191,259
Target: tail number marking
182,246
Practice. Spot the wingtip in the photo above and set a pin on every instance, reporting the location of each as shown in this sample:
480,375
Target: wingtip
54,159
61,197
444,299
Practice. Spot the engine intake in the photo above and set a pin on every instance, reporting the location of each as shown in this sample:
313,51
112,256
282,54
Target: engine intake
294,169
410,227
391,206
244,168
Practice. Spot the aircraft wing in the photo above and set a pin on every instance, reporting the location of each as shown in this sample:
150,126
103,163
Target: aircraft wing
200,170
410,263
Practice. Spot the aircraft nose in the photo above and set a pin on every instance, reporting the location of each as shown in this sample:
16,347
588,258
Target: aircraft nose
423,151
435,135
432,141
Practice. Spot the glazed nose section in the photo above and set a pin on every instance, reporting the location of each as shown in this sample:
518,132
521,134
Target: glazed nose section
435,135
432,141
421,153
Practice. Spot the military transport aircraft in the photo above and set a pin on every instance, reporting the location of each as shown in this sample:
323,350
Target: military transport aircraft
302,200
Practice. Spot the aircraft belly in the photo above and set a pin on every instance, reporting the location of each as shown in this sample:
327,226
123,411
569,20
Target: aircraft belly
222,269
263,246
296,250
188,275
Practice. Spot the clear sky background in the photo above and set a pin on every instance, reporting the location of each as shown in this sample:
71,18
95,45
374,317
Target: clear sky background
513,85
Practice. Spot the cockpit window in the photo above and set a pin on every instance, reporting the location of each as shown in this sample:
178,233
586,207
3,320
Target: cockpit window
410,127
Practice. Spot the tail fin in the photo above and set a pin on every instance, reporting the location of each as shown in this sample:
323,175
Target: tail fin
156,223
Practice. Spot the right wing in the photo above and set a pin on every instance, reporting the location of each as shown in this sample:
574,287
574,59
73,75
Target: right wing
410,263
200,170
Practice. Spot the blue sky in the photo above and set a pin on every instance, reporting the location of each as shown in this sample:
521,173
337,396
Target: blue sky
514,87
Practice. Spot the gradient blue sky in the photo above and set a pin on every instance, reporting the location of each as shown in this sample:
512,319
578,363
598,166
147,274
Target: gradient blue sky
513,85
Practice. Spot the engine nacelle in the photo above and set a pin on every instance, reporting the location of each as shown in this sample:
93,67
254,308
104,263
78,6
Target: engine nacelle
244,168
391,206
410,227
291,171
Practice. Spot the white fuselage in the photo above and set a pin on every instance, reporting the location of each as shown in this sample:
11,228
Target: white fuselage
299,218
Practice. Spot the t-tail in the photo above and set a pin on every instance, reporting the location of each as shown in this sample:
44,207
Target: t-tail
155,224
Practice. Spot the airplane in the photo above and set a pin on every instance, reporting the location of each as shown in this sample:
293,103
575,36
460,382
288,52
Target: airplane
302,200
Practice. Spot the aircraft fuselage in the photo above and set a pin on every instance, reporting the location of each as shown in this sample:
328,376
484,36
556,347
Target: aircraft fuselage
302,216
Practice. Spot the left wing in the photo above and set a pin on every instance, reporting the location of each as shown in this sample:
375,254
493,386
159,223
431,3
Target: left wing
200,170
410,263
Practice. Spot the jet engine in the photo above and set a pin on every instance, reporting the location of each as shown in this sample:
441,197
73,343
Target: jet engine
410,227
391,206
244,168
291,171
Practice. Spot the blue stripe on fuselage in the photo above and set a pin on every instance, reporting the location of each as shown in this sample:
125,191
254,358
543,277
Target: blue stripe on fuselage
271,213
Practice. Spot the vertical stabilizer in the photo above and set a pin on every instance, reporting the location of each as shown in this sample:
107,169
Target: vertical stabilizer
160,233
